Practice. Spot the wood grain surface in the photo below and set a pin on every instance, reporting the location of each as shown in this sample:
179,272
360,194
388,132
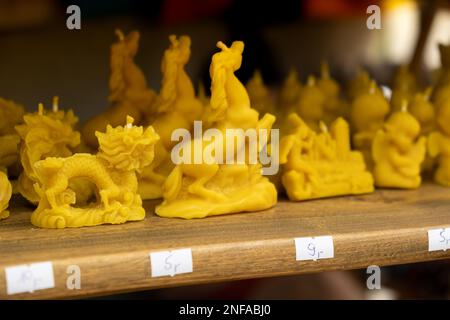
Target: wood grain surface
384,228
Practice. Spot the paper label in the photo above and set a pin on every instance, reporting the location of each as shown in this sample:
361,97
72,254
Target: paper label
314,248
439,239
170,263
29,277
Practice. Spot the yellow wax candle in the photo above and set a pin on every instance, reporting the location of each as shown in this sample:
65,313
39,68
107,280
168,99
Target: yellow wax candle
43,134
398,151
204,188
290,93
5,195
368,113
310,106
113,172
318,165
129,94
176,107
439,145
259,94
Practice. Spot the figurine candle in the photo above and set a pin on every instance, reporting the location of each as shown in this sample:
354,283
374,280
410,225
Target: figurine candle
129,94
321,165
439,145
212,187
368,113
122,152
176,107
259,94
398,152
310,106
44,134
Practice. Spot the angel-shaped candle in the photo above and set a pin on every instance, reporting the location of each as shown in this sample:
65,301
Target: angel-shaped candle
368,113
122,152
439,145
334,106
318,165
290,93
176,107
260,96
129,94
226,179
404,87
398,151
311,104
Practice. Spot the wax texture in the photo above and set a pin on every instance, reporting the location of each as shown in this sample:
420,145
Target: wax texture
398,151
129,94
213,188
122,152
176,107
319,165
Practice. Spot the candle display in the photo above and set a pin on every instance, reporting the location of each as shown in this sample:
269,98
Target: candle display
398,151
176,107
439,145
44,134
260,97
129,94
318,165
122,152
368,112
197,190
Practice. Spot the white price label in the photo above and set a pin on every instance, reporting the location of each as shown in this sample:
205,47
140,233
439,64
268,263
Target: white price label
439,239
29,278
314,248
170,263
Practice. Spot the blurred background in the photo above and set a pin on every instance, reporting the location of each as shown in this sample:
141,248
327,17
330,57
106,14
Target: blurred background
40,58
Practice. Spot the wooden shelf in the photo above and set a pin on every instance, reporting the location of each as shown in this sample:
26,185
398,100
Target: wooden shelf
385,228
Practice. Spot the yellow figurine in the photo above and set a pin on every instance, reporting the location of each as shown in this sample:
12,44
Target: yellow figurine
334,107
129,94
318,165
423,110
122,152
9,155
439,145
310,106
5,195
11,114
260,97
290,93
214,187
176,107
404,87
44,134
398,151
361,84
368,113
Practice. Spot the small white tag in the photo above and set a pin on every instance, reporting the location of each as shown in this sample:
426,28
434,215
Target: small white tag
314,248
170,263
439,239
29,278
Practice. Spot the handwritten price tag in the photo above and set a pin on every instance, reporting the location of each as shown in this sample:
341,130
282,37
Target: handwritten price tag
170,263
29,278
314,248
439,239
